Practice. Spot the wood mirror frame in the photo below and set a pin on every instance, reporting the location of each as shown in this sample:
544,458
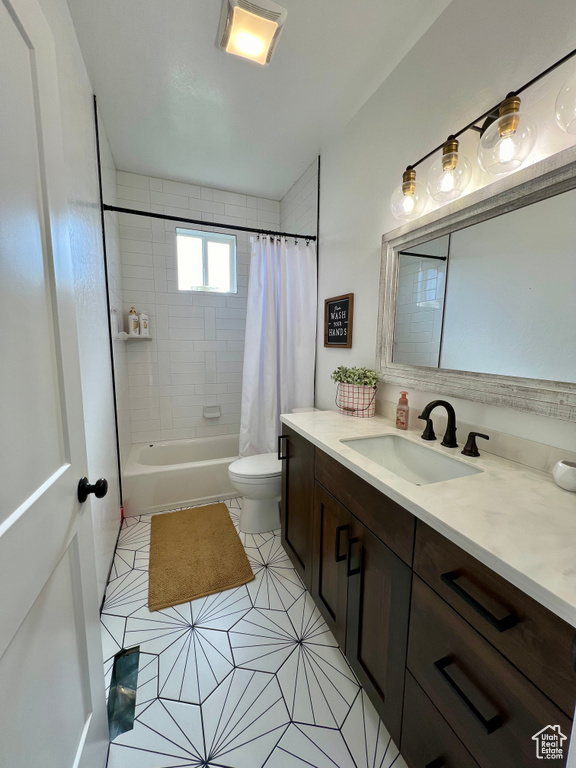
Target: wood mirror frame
555,399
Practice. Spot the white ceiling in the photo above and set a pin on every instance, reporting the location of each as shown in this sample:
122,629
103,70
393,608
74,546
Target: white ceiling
177,107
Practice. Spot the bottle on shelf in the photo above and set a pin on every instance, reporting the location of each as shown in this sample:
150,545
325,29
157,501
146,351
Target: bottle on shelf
143,324
133,323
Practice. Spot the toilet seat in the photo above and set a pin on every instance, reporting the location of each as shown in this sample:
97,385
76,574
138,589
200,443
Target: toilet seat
261,466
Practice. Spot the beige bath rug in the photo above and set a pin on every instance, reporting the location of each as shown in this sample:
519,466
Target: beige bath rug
193,553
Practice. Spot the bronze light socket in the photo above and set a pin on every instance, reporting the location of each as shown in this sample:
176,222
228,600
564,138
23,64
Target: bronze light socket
409,181
509,109
450,155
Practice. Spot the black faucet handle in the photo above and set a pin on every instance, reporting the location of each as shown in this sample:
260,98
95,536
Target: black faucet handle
471,449
428,433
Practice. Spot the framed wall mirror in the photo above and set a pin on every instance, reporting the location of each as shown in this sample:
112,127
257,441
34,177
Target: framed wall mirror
478,299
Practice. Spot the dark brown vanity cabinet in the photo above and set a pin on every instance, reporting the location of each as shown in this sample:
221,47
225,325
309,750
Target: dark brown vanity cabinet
463,667
331,540
297,504
363,591
377,627
493,709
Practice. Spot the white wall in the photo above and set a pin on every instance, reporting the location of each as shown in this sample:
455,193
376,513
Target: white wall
299,206
116,297
196,355
467,61
86,244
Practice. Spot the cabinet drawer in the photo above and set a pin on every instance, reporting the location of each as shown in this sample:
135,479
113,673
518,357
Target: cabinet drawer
427,739
492,708
388,520
534,639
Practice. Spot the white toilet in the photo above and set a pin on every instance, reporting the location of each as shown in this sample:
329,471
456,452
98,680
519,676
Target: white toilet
258,480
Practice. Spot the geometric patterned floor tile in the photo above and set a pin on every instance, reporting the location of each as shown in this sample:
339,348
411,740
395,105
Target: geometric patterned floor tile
165,735
193,660
112,632
316,681
276,584
247,678
244,719
368,740
126,594
147,681
303,746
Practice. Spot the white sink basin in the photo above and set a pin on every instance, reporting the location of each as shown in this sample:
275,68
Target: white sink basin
409,460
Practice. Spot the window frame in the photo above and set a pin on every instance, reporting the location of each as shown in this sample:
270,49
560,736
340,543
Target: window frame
207,237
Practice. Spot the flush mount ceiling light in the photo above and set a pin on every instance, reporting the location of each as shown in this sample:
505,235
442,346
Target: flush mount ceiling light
409,199
450,175
506,139
251,30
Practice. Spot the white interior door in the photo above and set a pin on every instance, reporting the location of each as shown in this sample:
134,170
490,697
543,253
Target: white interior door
52,702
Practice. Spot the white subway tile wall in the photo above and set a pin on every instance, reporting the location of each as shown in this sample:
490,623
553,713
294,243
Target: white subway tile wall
299,206
419,311
195,356
116,297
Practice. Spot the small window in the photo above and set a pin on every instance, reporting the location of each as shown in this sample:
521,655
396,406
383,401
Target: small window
206,261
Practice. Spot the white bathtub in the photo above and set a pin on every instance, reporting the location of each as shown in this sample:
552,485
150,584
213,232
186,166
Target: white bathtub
172,474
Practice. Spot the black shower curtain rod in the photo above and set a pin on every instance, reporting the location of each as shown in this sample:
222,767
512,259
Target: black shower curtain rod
422,255
164,216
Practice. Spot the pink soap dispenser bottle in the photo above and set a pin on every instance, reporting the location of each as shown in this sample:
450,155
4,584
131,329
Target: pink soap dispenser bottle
402,411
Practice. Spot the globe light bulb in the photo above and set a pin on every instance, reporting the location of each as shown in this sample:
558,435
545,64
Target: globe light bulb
565,108
506,149
508,140
409,199
447,181
408,203
450,174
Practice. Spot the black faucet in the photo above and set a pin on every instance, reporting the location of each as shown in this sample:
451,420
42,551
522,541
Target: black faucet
449,440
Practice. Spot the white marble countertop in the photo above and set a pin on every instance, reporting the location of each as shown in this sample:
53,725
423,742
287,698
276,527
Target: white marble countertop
513,519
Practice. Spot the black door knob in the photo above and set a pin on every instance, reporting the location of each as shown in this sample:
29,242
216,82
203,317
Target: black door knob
99,489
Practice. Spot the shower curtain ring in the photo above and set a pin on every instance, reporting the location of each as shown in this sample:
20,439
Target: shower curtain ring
307,243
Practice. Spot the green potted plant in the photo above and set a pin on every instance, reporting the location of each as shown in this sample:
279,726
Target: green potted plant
356,391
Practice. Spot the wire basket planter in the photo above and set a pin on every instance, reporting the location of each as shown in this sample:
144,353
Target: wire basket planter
356,391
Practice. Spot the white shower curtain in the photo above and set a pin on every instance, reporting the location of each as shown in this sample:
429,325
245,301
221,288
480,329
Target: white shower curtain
280,339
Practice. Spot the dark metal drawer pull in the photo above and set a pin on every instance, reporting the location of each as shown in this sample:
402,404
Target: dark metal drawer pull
354,571
438,763
489,725
280,456
338,557
506,622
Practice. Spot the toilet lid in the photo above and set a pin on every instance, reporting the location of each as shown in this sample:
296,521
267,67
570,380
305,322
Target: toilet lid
262,465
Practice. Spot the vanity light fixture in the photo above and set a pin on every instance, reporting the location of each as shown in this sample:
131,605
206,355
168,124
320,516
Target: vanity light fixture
409,199
450,175
251,29
507,138
565,108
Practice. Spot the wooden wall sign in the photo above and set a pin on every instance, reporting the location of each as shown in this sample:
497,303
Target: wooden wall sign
338,315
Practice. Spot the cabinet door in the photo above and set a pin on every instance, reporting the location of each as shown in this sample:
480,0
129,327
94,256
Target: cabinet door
329,561
377,633
297,505
427,739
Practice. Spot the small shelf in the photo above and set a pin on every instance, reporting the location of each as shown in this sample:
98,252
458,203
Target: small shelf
123,336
